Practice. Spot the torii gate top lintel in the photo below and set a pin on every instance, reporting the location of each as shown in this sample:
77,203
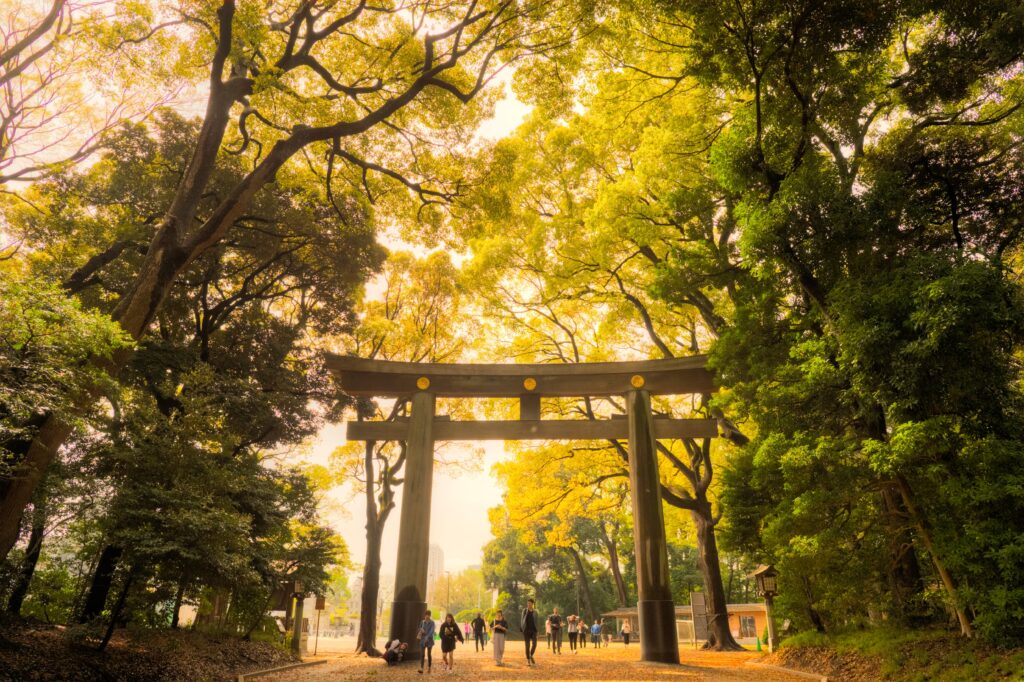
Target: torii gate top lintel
528,383
391,379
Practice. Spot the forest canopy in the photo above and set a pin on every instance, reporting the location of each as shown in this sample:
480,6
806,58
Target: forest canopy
823,198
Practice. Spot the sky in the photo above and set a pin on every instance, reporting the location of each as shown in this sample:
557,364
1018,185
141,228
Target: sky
464,494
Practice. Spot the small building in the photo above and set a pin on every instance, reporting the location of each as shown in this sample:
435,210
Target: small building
746,622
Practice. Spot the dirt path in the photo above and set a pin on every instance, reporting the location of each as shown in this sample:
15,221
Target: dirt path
604,665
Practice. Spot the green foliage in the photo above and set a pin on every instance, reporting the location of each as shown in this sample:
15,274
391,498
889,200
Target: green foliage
805,193
54,592
45,339
915,656
823,197
180,471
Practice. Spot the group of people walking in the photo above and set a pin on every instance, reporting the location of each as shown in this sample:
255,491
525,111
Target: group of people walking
575,627
449,633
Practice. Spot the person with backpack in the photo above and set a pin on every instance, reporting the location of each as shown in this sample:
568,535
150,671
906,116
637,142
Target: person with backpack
395,652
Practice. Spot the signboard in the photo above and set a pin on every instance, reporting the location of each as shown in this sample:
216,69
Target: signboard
700,615
321,602
282,598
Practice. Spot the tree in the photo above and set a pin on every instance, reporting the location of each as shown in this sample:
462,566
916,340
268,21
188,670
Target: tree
48,121
298,80
548,181
191,500
45,338
744,197
413,320
462,594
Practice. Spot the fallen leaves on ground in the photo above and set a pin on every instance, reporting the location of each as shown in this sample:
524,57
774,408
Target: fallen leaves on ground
44,653
600,665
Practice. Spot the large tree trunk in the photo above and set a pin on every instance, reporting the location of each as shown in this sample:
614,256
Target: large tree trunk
28,566
178,597
719,635
903,571
812,613
583,583
366,641
613,562
99,588
940,567
256,622
118,608
169,253
19,491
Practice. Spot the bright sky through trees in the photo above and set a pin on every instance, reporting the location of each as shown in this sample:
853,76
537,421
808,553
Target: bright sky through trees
471,491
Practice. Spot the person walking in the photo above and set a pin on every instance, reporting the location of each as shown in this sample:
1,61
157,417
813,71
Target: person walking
528,624
547,631
425,634
449,633
573,627
479,627
584,631
627,630
606,631
595,634
499,626
555,621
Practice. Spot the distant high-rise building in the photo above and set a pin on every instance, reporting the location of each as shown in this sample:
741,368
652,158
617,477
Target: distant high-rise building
435,567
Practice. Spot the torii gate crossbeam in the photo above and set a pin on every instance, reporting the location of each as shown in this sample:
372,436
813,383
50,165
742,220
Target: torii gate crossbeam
422,383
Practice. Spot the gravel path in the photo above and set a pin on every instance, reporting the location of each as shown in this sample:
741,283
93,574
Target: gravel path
604,665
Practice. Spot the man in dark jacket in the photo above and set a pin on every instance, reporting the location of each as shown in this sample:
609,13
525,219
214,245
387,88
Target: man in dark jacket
555,621
528,624
479,624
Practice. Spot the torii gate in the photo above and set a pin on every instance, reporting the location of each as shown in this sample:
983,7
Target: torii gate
422,383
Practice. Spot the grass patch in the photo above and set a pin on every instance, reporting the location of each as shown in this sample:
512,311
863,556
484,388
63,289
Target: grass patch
915,655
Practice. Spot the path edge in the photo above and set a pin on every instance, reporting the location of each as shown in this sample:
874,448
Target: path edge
242,677
791,671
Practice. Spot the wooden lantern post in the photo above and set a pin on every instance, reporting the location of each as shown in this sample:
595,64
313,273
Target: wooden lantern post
300,598
767,579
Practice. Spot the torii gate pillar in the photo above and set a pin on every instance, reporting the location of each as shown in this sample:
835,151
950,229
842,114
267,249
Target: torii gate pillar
658,639
414,530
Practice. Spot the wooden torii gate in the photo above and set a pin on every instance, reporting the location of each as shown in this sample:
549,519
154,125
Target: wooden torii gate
635,381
